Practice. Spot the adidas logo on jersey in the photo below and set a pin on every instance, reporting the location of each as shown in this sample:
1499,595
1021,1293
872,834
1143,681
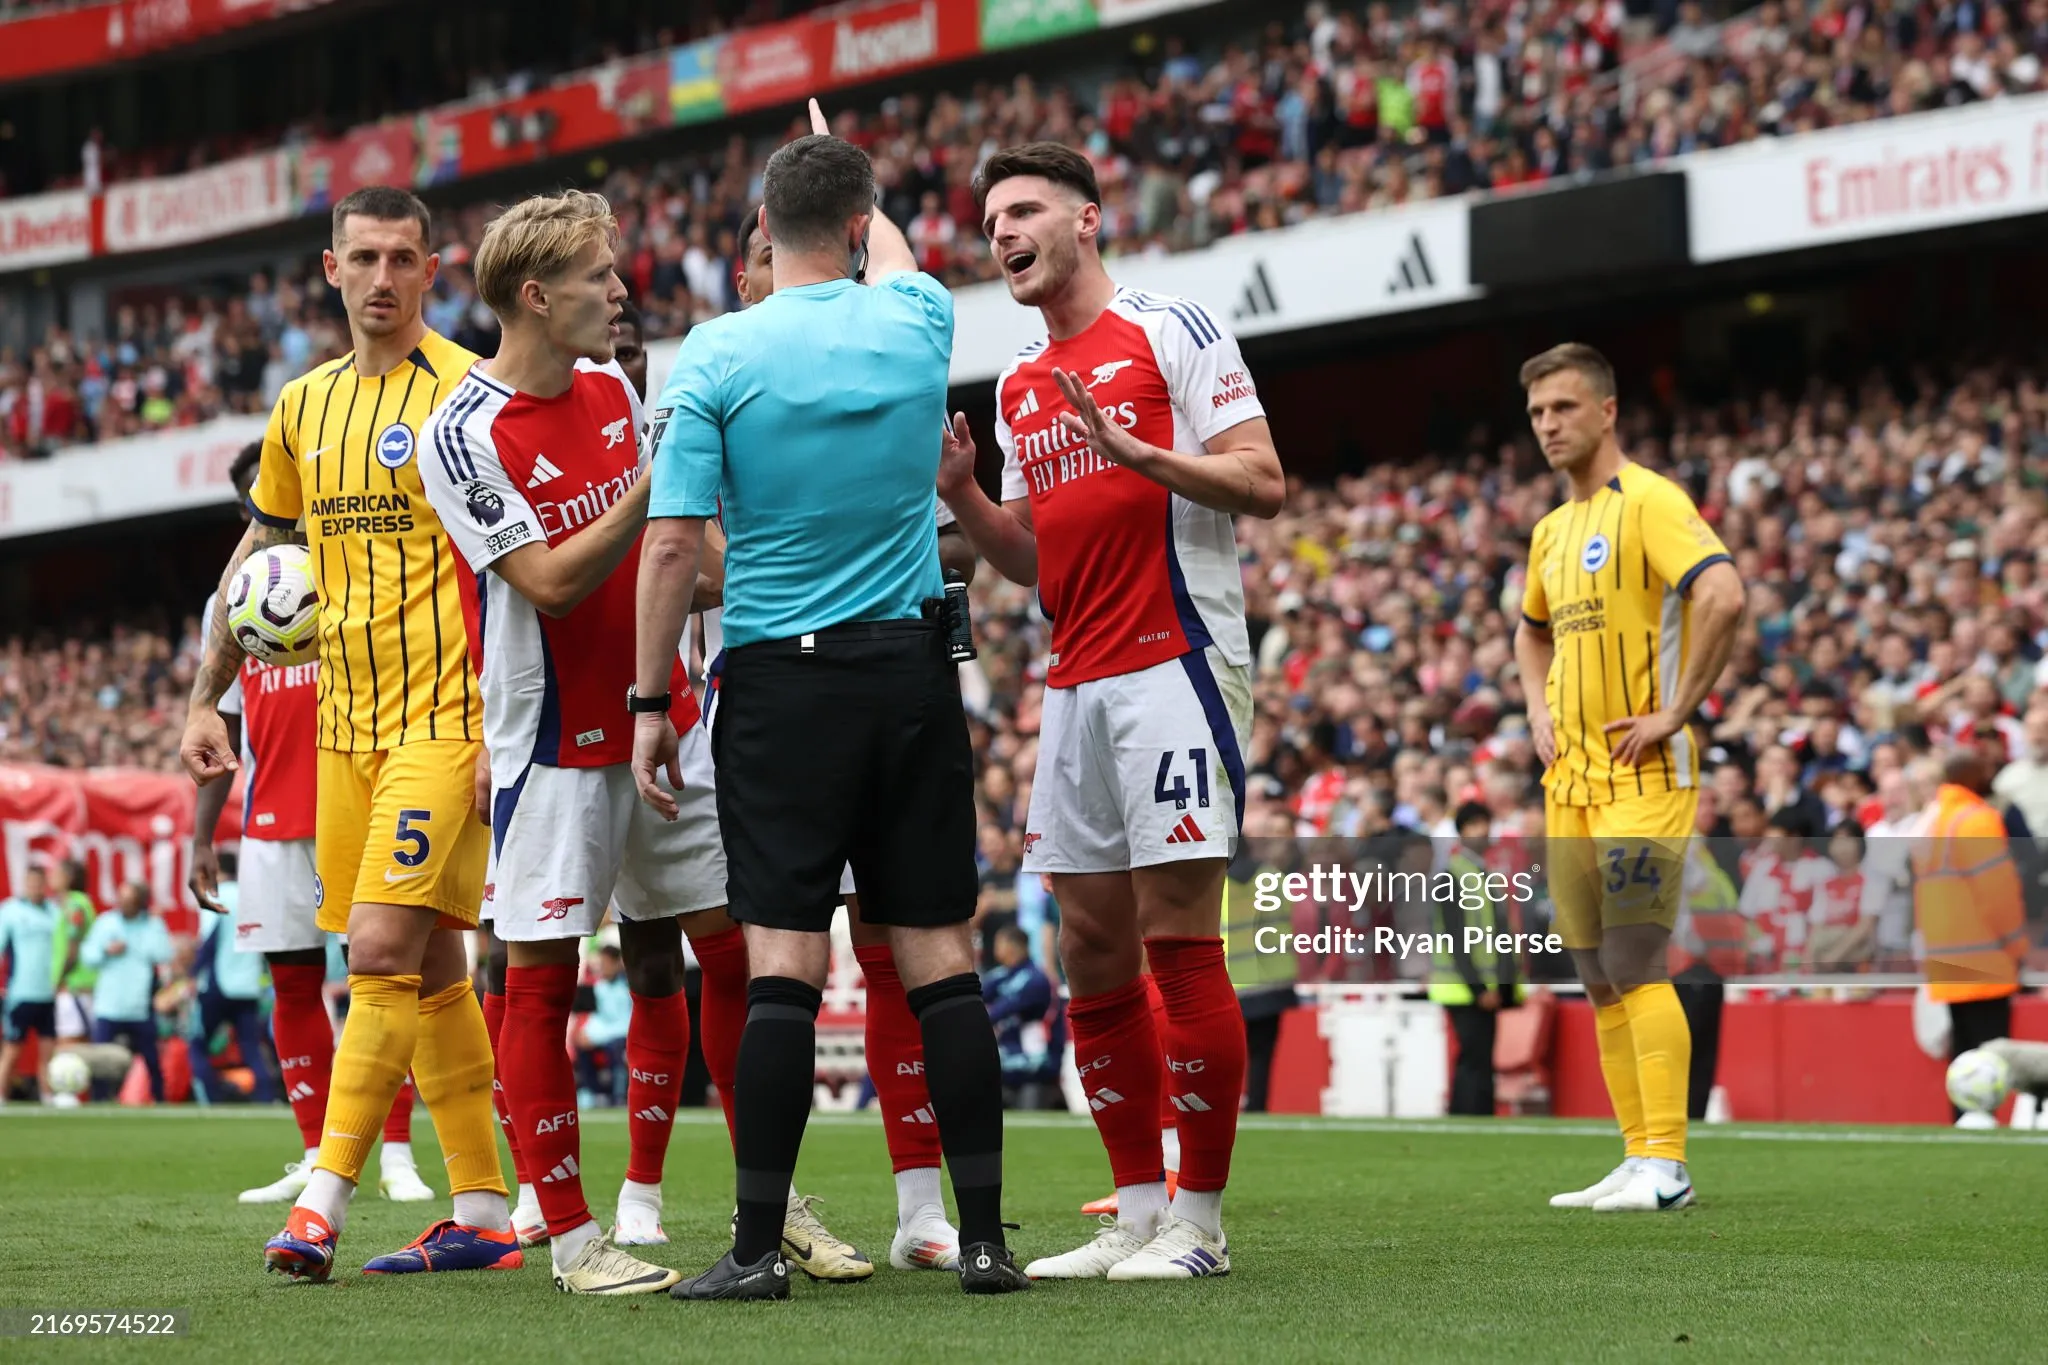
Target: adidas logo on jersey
1104,1098
653,1113
544,471
1189,1104
1027,407
298,1092
565,1169
1187,832
922,1114
1412,271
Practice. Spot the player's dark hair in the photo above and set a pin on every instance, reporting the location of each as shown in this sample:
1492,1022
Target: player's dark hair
243,471
1054,161
1571,355
749,225
387,204
813,188
629,316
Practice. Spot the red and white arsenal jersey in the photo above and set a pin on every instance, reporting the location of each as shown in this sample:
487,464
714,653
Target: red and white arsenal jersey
278,706
1129,573
506,469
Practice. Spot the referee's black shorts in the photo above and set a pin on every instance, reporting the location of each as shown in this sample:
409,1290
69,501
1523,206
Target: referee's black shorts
851,750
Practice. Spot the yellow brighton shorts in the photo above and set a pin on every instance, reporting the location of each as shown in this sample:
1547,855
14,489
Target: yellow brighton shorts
1621,863
399,827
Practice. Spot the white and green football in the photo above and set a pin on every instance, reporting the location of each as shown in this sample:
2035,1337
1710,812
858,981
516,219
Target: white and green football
274,607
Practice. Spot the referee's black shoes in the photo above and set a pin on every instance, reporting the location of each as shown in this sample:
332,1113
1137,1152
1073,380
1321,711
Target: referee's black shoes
767,1278
986,1268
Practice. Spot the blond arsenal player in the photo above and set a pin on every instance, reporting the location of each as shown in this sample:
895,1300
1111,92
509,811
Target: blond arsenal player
399,852
1130,435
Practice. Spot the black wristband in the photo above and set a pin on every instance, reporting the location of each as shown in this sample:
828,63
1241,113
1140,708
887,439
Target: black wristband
644,706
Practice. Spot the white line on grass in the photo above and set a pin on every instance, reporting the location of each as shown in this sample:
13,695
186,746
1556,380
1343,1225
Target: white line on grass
1262,1123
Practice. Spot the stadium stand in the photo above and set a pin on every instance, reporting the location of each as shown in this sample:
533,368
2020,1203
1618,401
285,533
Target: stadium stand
1334,113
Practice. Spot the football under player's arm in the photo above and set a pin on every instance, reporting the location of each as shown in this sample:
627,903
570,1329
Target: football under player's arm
1001,534
1535,647
275,504
557,577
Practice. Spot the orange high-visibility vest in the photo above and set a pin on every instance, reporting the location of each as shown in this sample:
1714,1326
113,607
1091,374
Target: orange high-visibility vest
1966,900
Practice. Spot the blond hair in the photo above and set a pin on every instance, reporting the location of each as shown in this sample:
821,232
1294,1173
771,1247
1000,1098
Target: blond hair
1572,355
536,240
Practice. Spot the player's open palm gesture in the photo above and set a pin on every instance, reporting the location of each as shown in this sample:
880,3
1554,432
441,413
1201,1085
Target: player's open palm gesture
1088,420
205,750
655,751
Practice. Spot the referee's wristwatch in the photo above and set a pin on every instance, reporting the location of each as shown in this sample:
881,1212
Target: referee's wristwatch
642,706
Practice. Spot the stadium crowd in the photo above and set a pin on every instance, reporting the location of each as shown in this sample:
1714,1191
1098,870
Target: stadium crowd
1890,537
1339,111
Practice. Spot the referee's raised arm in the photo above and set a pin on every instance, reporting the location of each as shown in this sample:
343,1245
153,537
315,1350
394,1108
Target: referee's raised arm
809,424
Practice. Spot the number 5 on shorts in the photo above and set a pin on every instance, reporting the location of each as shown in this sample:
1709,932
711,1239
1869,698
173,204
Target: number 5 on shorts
415,846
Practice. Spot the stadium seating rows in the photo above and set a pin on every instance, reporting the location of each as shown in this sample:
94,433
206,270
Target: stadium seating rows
1336,112
1891,544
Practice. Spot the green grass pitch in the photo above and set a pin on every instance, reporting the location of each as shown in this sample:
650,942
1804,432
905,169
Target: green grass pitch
1351,1241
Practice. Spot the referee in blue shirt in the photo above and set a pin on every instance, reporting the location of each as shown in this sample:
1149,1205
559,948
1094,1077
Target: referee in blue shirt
813,421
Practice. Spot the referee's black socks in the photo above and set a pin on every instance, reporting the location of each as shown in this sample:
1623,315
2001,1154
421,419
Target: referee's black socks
964,1072
771,1103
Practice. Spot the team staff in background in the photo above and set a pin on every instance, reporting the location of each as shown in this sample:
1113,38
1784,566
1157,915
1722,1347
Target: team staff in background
399,851
1130,436
1969,907
1628,618
812,421
270,715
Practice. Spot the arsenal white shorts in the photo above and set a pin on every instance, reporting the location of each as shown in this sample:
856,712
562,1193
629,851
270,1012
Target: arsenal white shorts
1141,768
279,897
580,839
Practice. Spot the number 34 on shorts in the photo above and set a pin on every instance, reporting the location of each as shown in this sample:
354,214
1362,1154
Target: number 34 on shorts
399,827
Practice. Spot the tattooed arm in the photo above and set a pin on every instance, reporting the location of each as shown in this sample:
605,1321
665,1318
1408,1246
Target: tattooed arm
206,750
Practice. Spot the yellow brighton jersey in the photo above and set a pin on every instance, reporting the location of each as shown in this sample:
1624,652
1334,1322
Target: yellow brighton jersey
343,452
1609,576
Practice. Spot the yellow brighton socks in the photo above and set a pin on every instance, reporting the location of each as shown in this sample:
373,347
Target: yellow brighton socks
453,1069
1663,1052
370,1063
1619,1066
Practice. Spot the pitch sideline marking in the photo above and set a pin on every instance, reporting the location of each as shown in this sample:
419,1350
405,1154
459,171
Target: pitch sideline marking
1257,1123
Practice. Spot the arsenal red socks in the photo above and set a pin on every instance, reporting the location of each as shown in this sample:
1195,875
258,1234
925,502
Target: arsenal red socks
895,1053
722,1009
304,1038
657,1042
494,1024
1116,1049
1205,1056
398,1123
540,1084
